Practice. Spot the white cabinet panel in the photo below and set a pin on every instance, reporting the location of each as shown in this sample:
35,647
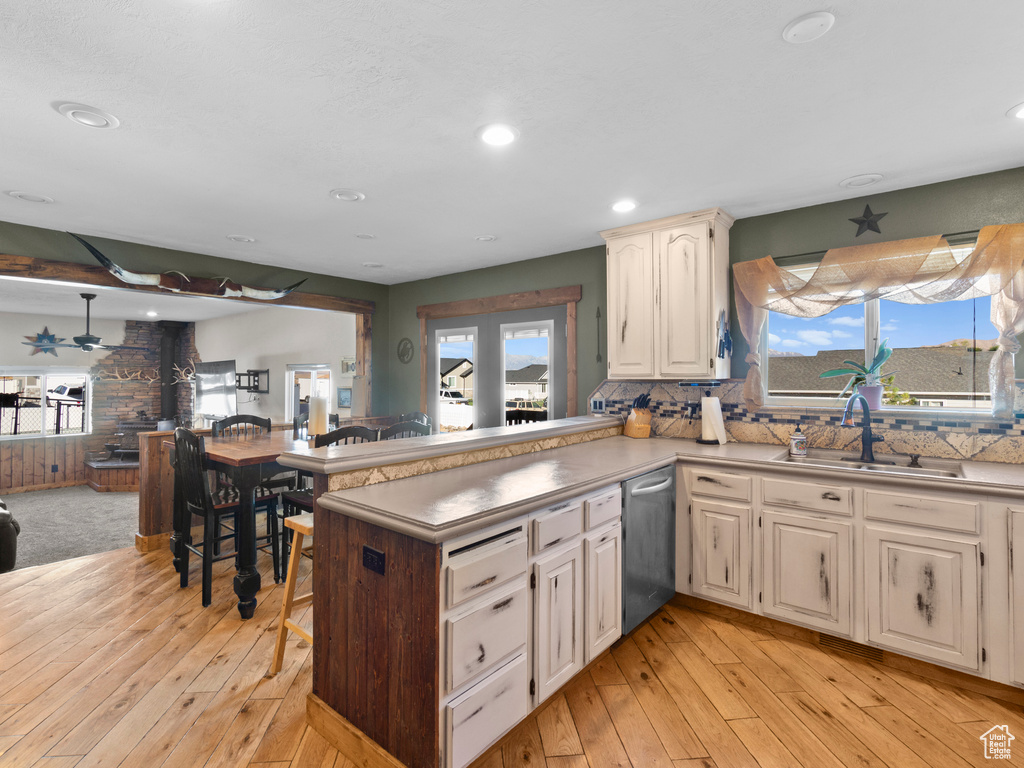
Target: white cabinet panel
630,304
721,485
602,508
721,552
807,571
603,567
817,497
480,716
556,526
950,513
474,569
682,296
923,595
1016,523
558,619
482,637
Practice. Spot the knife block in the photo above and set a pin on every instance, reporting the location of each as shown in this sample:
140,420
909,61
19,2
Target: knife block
638,424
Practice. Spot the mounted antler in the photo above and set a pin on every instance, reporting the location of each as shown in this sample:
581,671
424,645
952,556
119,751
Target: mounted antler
127,375
184,375
176,282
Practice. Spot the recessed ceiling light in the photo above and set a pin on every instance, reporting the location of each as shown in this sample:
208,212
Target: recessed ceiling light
365,236
88,116
1017,112
486,238
28,197
498,135
809,27
862,180
624,206
151,313
372,265
347,195
241,239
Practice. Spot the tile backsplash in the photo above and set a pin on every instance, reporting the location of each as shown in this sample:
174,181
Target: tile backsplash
956,435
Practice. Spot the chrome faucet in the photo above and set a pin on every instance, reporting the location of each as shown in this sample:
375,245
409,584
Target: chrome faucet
867,453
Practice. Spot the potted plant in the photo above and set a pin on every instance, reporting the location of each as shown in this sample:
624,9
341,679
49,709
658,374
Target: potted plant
865,379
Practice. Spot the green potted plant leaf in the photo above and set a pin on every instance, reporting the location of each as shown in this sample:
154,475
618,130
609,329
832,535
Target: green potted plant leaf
865,379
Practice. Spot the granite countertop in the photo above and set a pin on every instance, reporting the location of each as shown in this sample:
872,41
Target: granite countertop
441,505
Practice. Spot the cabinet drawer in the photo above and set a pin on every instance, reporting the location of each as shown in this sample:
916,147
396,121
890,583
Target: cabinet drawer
477,718
602,508
950,514
485,635
836,499
721,485
560,523
477,567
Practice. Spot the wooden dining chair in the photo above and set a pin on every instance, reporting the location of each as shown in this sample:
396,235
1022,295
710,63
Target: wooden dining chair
247,425
192,484
404,429
242,425
419,416
302,500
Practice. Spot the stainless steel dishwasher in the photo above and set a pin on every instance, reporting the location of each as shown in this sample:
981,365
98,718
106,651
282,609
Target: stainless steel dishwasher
648,545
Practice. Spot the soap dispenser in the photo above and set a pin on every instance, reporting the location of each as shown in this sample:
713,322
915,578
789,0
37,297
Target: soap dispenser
798,443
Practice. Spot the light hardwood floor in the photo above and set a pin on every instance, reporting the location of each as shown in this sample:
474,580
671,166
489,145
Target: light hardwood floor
105,662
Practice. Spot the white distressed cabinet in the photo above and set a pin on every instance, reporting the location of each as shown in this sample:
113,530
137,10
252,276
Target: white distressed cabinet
668,285
923,595
807,571
558,619
602,562
721,538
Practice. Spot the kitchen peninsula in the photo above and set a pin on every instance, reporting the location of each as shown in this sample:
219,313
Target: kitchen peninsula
900,563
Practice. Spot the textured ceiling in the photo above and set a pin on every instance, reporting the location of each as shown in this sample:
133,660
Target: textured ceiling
239,116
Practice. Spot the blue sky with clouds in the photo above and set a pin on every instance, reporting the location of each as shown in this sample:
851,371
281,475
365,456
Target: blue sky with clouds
905,325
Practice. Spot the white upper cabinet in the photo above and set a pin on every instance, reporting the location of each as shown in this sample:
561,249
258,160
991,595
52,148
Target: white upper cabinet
667,289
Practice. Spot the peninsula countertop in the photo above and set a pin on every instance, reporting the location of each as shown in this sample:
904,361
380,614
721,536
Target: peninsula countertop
441,505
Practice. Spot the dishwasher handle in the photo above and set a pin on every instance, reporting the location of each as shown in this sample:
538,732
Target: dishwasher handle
643,491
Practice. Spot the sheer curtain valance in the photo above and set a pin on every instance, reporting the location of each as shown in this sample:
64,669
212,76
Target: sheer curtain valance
919,271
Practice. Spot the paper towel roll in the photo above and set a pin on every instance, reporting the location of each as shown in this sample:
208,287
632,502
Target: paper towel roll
317,416
712,425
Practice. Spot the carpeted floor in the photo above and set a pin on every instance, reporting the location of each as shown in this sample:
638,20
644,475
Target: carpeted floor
63,523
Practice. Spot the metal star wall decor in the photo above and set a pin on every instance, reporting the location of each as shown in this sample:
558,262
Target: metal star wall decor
45,342
868,221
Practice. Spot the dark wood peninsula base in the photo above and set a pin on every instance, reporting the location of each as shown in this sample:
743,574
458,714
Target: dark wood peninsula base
376,639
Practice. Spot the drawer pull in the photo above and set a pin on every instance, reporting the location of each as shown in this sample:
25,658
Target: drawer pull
706,479
500,607
830,496
485,582
551,543
483,653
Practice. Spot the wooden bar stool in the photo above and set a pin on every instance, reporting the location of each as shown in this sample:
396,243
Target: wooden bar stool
302,526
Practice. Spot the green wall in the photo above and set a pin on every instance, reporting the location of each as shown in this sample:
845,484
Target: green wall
19,240
946,208
585,267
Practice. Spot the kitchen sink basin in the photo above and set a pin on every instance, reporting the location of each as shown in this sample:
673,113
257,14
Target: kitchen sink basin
849,461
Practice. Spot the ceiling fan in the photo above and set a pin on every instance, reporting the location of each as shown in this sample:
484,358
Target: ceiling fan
87,341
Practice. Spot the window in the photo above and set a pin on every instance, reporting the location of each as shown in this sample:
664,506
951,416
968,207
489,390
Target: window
941,353
456,351
44,401
526,354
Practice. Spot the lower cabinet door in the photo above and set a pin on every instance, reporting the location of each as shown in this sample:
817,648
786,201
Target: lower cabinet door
558,619
603,566
807,571
481,715
484,636
721,552
923,595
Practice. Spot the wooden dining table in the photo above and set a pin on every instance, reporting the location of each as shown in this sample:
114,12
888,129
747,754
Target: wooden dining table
245,460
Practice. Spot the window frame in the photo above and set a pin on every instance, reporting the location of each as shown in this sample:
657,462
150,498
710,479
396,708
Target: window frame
872,334
548,326
43,373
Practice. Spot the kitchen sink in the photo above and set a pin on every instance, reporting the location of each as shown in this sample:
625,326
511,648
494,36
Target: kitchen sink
818,457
